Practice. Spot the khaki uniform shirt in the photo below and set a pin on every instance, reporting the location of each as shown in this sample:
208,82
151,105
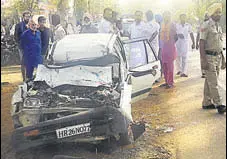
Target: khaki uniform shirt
212,36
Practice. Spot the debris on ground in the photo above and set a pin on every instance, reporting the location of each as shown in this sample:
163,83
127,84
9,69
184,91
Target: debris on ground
168,130
138,129
165,129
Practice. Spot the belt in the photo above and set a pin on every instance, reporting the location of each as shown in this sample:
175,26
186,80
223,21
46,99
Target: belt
213,53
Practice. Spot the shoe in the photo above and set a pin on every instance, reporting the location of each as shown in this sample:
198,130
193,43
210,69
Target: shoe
184,75
178,73
209,107
221,109
163,85
169,86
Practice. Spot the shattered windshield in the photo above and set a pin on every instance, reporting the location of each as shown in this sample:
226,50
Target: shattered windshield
77,75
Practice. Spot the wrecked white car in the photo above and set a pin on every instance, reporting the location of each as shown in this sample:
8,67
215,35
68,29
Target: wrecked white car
84,93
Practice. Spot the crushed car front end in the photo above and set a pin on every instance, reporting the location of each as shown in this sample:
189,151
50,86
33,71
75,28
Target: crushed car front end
89,126
58,111
87,100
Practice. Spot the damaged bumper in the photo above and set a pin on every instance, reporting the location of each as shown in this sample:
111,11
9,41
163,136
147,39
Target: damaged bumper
90,126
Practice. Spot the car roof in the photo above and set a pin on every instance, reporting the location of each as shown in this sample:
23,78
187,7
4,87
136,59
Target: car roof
80,46
104,39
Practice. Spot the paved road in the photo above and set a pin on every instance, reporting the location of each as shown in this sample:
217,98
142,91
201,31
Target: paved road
198,134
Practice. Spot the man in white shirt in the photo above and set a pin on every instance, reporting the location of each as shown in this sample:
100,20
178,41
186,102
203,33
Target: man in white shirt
105,26
138,28
59,31
183,31
154,28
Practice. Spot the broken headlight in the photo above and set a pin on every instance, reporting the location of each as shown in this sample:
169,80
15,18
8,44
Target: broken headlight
32,102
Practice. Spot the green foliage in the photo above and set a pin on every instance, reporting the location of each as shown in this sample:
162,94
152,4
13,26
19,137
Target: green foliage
196,11
13,12
93,7
81,4
22,5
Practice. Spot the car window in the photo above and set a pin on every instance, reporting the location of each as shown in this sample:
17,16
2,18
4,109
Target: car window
150,53
136,54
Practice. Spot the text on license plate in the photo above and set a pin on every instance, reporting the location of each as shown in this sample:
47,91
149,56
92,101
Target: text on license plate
73,130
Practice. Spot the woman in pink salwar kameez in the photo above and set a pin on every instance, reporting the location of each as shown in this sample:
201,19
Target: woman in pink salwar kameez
168,37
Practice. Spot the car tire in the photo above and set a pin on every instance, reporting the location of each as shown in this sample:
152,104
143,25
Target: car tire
126,138
28,154
16,122
107,146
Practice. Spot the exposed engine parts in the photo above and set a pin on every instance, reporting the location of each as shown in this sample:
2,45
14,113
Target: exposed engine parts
72,96
42,103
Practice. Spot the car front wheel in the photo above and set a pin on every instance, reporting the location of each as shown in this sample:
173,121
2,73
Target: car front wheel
127,137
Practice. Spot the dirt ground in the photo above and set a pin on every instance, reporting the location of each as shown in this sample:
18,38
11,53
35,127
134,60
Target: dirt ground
176,126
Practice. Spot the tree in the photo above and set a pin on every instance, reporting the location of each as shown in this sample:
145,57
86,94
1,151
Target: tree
196,11
15,10
81,6
22,5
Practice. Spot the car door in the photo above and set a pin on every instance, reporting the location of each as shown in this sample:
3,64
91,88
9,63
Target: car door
144,66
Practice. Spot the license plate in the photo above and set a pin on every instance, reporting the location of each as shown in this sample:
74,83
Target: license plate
73,130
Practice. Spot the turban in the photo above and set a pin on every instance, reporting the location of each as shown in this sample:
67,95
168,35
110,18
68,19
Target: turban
158,18
213,8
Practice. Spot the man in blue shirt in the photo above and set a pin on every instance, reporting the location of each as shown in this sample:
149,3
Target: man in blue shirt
31,46
45,35
19,29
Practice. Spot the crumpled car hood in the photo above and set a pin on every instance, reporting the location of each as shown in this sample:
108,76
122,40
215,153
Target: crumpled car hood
75,75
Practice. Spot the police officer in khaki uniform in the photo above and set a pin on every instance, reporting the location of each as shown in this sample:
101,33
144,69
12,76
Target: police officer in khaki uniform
206,18
211,54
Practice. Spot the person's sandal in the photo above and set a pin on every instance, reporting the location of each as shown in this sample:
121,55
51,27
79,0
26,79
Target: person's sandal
163,85
221,109
209,107
169,86
184,75
178,73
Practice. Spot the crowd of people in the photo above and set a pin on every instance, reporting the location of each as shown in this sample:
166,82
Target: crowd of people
170,42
